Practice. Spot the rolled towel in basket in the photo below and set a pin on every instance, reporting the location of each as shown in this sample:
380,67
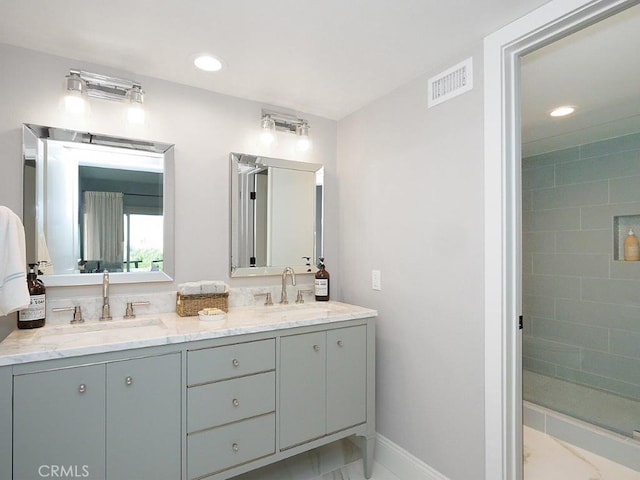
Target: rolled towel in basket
189,288
212,286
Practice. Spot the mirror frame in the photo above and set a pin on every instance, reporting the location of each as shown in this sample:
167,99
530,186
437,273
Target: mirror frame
168,203
235,271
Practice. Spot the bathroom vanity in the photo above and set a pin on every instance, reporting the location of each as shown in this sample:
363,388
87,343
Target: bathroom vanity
173,397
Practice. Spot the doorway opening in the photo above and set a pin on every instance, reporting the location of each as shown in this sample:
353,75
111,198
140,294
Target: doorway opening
503,268
580,200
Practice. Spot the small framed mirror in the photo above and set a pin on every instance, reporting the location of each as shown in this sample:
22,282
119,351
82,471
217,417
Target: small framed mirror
276,215
96,202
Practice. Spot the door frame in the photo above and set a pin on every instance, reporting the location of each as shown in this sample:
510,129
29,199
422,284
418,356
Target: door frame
502,232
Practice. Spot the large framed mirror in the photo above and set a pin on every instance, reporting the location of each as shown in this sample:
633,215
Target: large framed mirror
96,202
276,215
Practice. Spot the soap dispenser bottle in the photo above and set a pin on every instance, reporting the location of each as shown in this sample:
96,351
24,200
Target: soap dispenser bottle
322,283
34,315
631,247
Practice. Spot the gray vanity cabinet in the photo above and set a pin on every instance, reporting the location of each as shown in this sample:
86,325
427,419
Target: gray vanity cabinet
212,408
59,422
111,420
323,383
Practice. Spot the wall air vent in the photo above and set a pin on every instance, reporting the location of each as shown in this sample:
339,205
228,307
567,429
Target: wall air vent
451,83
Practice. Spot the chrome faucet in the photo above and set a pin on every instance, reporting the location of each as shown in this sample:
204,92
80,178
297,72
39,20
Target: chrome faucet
283,296
106,309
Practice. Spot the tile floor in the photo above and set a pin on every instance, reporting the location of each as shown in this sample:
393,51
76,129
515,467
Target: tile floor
354,471
545,458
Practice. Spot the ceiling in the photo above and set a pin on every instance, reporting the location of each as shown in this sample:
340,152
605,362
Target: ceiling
327,58
331,57
596,70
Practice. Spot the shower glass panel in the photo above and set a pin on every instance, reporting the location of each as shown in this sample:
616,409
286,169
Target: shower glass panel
581,300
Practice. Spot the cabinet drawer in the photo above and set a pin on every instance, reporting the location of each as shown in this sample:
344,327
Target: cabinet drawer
224,447
218,403
220,363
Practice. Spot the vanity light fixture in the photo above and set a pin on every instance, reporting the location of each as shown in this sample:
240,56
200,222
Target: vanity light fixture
80,83
562,111
284,122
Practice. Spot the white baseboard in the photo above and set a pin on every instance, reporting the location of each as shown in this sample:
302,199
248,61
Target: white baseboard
401,463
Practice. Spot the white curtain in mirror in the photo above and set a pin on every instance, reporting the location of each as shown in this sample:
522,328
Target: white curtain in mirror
58,181
104,228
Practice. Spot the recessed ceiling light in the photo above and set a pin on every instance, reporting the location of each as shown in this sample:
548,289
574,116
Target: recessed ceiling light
207,63
562,111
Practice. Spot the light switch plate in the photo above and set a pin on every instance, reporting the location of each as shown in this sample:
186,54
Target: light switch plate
376,280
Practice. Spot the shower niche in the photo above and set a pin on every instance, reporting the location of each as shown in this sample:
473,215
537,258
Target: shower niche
621,226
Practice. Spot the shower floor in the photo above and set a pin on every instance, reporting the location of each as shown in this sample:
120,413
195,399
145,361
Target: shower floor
603,409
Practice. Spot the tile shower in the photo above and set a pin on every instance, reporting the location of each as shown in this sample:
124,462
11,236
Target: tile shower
581,302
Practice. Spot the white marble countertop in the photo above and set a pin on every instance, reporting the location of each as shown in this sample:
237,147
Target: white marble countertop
60,341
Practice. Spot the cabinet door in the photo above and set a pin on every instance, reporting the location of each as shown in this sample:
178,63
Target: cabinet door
143,418
59,423
346,377
302,388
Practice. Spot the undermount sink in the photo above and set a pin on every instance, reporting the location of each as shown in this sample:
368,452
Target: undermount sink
105,326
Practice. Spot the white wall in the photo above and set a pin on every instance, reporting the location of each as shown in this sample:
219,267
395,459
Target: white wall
411,205
204,126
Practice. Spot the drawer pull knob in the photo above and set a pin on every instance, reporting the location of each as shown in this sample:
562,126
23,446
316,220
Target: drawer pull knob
340,343
235,402
235,362
82,388
128,380
235,447
316,348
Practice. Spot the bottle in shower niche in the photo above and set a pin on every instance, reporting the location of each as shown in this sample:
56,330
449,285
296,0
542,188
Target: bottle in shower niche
34,315
322,283
631,247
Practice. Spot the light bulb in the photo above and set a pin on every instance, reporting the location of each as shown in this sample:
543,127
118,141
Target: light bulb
135,112
74,101
304,142
268,133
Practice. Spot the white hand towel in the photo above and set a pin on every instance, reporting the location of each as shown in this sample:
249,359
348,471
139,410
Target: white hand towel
189,288
213,286
14,294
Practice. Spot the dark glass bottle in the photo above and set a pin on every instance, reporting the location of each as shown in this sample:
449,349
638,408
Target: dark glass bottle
322,283
34,315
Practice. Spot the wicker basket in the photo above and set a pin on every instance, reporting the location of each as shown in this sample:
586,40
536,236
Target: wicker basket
190,305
